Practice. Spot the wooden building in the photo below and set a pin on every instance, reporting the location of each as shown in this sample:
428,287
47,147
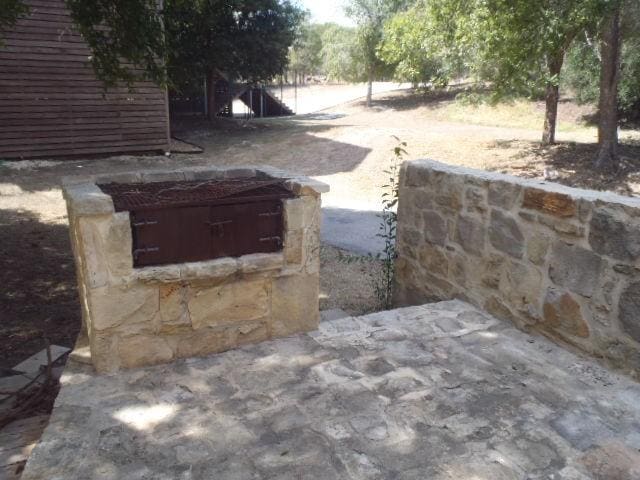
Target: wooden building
52,105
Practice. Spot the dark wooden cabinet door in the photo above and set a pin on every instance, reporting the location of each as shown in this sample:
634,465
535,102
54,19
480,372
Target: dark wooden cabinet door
245,228
191,234
166,236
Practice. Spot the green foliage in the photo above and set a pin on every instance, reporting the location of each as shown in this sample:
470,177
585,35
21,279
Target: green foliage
122,29
419,48
341,55
370,16
383,285
247,39
583,66
10,12
306,53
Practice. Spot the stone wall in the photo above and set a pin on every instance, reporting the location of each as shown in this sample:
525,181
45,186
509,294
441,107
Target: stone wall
559,260
143,316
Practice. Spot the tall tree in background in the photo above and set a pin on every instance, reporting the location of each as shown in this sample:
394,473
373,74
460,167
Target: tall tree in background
520,45
610,54
370,16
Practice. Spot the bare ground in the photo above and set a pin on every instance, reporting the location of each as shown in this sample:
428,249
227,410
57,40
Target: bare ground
348,146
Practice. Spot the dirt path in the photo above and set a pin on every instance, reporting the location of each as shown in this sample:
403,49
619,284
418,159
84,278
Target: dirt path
348,146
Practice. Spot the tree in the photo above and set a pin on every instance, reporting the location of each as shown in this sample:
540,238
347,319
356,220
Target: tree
305,56
371,15
610,48
420,48
341,56
186,39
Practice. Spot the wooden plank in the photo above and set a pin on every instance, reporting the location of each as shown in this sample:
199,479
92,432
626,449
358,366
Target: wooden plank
57,127
51,103
72,152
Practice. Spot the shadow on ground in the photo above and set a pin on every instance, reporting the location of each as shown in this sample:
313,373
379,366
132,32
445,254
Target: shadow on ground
571,164
38,297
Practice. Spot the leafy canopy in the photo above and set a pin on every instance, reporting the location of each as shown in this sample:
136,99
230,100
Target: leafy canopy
246,39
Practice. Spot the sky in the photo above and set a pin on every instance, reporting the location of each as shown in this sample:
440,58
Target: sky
327,11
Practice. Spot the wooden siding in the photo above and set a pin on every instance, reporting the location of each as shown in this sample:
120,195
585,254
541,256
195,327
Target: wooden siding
51,103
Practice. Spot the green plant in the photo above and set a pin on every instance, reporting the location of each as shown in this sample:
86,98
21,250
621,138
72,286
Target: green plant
383,284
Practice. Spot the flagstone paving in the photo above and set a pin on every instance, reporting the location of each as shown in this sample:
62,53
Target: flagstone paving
440,391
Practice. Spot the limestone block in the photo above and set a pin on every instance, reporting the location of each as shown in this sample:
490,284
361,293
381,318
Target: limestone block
122,177
416,175
521,287
418,198
105,242
142,350
629,308
206,341
293,247
252,332
230,302
104,352
503,194
552,203
294,214
112,306
435,228
204,173
470,234
450,194
505,234
618,238
496,307
575,268
433,259
562,226
410,236
158,274
303,186
491,272
151,176
563,313
537,248
295,304
220,268
173,307
87,199
476,200
261,262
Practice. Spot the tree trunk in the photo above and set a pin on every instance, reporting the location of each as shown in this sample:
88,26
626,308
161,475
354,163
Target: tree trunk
552,96
610,47
369,89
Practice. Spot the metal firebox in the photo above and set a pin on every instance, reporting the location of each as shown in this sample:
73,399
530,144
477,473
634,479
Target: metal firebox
189,221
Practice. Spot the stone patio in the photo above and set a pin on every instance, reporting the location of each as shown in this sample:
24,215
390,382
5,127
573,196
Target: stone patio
440,391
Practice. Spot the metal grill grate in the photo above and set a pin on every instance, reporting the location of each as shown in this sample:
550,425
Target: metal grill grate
143,196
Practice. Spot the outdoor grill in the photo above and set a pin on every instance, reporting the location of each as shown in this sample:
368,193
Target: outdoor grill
180,264
190,221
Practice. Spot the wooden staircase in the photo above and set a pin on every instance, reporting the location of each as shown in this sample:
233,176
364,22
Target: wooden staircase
259,100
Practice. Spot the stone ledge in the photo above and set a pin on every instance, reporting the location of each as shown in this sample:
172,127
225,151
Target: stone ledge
426,166
88,199
299,185
217,269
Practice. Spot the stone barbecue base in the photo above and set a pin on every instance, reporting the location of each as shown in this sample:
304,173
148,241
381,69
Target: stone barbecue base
436,392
